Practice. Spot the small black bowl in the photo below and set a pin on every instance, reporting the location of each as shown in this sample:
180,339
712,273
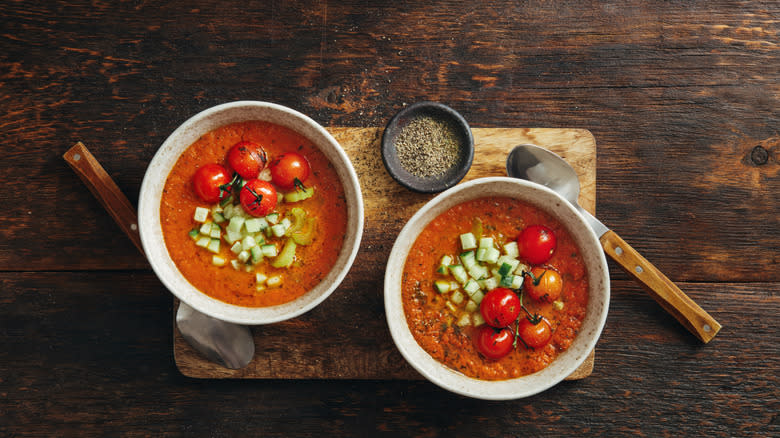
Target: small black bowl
432,184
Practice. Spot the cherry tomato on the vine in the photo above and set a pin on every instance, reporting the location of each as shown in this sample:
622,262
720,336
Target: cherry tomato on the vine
534,335
287,168
247,158
258,197
210,182
536,244
493,343
543,285
500,307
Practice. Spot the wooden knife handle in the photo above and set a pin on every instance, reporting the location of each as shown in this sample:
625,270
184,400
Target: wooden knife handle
105,190
666,293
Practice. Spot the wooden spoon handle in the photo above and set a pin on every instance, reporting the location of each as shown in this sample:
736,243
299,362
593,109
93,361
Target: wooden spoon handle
105,190
666,293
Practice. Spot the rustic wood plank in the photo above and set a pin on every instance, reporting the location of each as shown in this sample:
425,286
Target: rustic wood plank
678,106
388,206
90,353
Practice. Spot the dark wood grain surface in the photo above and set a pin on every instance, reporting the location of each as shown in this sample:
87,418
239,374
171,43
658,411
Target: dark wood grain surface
683,99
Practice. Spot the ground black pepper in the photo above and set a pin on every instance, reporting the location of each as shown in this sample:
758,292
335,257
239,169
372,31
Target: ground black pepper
427,146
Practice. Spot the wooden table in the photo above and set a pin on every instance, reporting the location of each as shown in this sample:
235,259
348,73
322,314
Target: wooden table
683,100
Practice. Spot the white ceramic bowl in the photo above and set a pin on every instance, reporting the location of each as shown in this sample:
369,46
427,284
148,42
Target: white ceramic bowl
164,160
561,367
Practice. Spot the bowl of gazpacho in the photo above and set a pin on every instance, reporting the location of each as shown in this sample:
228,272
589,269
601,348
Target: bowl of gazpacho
251,212
496,289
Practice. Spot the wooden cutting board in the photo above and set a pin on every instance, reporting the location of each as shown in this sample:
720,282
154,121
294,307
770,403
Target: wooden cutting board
346,337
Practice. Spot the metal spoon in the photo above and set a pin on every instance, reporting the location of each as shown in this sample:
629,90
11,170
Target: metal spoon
230,345
543,167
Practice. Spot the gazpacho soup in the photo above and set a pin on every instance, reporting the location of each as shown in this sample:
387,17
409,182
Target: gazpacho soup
253,214
494,288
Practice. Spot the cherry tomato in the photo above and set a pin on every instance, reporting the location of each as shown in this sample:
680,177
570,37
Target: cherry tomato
247,158
493,343
500,307
258,197
543,285
534,335
287,168
210,182
536,244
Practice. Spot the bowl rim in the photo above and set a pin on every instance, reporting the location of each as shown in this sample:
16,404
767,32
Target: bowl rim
165,158
406,178
510,389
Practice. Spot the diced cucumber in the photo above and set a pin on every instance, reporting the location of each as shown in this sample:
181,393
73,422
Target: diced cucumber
228,211
459,273
468,260
468,241
504,269
235,264
486,242
451,306
278,230
232,237
236,248
511,249
522,268
286,256
272,218
492,255
216,231
218,217
441,286
457,297
269,250
247,243
274,281
243,256
557,305
464,320
194,233
235,224
445,260
477,319
506,280
512,262
257,254
478,272
205,228
201,214
218,261
216,209
287,223
260,278
454,285
471,287
477,297
203,242
255,224
213,245
443,270
517,281
471,306
490,283
299,195
481,253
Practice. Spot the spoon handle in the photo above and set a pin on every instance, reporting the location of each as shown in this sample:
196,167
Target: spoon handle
666,293
105,190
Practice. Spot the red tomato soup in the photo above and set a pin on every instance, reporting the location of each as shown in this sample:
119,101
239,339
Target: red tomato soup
445,324
251,279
